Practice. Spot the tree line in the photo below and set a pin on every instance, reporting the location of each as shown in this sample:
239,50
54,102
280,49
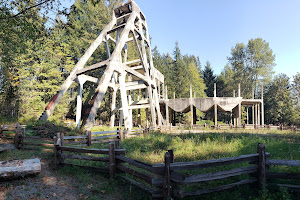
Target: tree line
37,53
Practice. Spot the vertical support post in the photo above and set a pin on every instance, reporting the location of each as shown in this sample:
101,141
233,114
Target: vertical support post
127,120
167,177
258,114
215,90
253,113
130,101
247,115
113,106
191,106
233,92
173,95
152,108
195,115
121,118
239,115
139,121
231,118
216,114
262,107
256,119
239,90
112,160
89,138
79,102
261,150
167,106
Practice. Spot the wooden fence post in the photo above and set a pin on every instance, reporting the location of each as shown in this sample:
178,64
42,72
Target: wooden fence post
295,128
89,138
171,155
167,177
261,150
62,139
146,130
281,127
112,160
16,139
55,150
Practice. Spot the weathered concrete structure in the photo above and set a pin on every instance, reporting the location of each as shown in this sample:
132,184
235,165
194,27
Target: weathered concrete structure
225,104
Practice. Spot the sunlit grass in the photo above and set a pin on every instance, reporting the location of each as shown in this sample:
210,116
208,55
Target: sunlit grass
212,144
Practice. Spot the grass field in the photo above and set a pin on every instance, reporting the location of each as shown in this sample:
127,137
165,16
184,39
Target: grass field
187,147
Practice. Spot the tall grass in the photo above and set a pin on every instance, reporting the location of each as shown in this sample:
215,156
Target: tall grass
193,147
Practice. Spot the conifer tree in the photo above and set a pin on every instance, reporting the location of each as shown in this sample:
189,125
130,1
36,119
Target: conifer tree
209,79
279,102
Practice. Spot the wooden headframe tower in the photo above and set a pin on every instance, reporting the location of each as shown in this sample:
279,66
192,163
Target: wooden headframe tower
128,25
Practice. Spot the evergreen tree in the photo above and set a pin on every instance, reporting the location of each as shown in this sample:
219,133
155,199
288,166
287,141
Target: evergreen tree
209,79
179,74
279,102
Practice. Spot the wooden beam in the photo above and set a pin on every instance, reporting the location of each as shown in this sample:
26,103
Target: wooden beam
93,67
134,107
80,64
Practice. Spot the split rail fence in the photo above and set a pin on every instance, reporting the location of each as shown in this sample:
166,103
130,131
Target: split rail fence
22,141
32,142
102,137
169,179
7,132
244,126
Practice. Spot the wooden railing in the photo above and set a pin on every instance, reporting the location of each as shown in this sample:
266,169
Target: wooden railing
22,141
7,132
102,137
283,175
244,126
32,142
168,179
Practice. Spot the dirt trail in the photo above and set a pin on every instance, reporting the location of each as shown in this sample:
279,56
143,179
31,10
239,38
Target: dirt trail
47,185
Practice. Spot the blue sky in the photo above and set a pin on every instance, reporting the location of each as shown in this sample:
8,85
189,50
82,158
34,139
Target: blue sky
210,28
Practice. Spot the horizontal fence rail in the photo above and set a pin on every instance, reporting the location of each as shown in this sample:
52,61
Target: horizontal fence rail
166,180
103,136
163,180
230,126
